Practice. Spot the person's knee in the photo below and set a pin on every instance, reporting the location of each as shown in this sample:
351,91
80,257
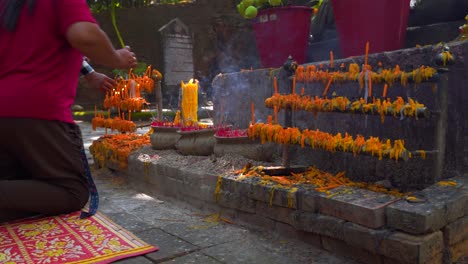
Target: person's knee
80,199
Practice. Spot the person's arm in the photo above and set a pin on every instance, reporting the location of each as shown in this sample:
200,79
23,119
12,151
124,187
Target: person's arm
95,79
90,40
86,68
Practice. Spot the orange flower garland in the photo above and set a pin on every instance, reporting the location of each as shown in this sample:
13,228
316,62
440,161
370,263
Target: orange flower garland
321,180
311,74
117,148
326,141
343,104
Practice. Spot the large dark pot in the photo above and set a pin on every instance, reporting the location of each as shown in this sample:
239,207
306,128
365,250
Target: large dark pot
381,22
280,32
245,147
164,137
197,143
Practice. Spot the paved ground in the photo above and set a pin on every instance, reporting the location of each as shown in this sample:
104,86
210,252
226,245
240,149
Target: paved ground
185,235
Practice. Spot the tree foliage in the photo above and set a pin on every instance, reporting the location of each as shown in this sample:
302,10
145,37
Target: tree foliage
100,5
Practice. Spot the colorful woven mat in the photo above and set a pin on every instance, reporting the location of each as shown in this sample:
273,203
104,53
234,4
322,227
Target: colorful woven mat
68,239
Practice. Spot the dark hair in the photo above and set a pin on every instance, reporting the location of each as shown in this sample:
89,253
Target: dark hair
10,11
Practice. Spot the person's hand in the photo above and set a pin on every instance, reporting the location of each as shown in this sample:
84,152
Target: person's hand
127,58
98,80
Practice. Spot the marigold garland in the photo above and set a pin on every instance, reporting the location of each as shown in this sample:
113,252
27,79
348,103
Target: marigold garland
342,104
326,141
116,148
321,180
311,73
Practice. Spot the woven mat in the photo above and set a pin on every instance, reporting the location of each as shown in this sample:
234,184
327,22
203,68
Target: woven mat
68,239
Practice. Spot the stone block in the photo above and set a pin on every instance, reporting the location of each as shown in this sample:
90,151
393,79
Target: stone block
341,248
437,259
277,213
444,204
307,201
319,224
256,220
410,248
274,195
458,251
236,201
456,231
356,205
363,237
289,231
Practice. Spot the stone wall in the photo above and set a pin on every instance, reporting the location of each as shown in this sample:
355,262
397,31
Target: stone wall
442,134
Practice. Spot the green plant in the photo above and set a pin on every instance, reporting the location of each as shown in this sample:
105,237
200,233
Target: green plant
249,8
140,69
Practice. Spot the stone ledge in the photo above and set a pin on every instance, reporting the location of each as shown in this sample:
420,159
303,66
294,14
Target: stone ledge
444,205
361,206
456,231
337,221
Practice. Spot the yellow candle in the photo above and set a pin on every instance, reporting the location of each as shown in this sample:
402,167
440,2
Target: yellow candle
367,53
385,90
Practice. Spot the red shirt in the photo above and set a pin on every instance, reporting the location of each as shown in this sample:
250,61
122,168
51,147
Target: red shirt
39,70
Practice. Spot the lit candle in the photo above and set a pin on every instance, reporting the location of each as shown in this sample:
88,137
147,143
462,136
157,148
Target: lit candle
385,90
302,91
132,89
331,59
328,85
370,82
269,120
367,53
252,108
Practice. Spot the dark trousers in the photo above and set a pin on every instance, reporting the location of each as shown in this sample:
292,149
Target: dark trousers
41,170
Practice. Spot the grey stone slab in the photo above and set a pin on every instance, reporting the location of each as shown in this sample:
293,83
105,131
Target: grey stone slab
161,215
135,260
456,231
205,234
289,231
358,254
236,201
170,246
270,193
356,205
277,213
362,237
410,248
129,222
247,252
444,205
319,224
308,201
193,258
